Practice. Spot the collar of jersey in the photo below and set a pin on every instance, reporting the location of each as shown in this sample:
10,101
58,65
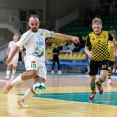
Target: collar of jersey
98,34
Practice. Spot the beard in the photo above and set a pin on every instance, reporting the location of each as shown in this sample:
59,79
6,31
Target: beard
34,29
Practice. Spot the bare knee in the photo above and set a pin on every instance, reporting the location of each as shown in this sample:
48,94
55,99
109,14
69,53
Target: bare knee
29,74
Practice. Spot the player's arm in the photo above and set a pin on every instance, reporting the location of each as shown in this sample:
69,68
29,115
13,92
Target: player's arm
8,50
67,37
20,43
87,45
12,54
114,43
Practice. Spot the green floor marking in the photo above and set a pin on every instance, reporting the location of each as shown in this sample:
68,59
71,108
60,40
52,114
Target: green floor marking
107,98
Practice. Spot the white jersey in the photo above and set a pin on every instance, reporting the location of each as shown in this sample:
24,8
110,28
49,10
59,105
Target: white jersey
12,46
34,42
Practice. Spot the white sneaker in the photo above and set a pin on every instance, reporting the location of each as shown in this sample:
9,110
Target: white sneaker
109,82
7,77
59,72
21,103
13,76
52,71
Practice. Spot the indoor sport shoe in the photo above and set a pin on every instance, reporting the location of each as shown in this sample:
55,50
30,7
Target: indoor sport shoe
92,95
7,77
8,87
59,72
109,82
100,89
13,76
52,72
21,103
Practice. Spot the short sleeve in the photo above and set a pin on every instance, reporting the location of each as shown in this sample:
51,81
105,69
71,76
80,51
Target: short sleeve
88,43
24,38
9,44
54,50
110,37
49,33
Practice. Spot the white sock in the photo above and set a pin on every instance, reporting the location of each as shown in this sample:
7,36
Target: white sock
13,72
27,94
8,73
16,81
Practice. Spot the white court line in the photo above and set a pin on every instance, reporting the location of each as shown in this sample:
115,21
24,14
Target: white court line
3,80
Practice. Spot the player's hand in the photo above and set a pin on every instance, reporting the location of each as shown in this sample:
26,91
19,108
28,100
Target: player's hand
8,61
90,54
75,39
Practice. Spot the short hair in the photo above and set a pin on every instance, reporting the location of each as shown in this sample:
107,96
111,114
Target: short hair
15,34
96,20
34,16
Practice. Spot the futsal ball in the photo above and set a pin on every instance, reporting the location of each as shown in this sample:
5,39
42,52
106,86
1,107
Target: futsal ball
39,87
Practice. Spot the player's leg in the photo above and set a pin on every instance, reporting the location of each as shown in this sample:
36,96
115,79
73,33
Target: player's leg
31,72
110,68
13,72
14,63
53,64
8,71
103,75
92,73
30,92
58,63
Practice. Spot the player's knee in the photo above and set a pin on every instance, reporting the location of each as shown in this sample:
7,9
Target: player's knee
32,73
29,74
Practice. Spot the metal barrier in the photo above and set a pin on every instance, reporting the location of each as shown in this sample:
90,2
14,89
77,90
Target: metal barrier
11,19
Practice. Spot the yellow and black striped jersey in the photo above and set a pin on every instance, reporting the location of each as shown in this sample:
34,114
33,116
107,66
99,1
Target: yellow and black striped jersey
111,51
99,45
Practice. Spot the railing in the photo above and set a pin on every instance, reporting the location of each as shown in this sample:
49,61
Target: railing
3,50
10,19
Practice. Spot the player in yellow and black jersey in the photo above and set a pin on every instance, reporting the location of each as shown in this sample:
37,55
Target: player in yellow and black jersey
111,62
98,42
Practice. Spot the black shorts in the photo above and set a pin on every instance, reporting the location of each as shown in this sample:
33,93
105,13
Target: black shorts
110,63
98,65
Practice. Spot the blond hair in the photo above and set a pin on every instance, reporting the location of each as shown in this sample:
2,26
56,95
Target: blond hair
96,20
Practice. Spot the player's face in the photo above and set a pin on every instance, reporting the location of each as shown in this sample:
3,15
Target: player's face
97,28
34,24
15,38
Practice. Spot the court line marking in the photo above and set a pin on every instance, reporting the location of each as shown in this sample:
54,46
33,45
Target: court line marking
3,80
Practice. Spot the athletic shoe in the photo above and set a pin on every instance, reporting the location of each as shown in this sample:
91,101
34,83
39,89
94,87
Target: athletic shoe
8,87
59,72
21,103
7,77
92,95
100,89
52,71
109,82
13,76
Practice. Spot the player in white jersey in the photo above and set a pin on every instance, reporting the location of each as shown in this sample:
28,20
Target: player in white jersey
13,63
34,43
